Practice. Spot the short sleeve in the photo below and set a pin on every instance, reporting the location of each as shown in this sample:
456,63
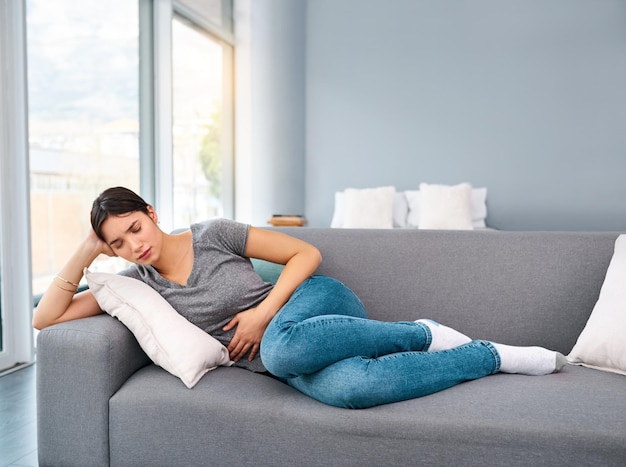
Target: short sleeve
231,235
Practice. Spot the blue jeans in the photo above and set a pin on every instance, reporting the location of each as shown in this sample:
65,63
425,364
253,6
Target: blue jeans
322,344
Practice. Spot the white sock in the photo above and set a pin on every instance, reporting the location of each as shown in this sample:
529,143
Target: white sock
533,361
443,337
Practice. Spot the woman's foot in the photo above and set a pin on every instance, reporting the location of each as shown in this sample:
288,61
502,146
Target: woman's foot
443,337
534,361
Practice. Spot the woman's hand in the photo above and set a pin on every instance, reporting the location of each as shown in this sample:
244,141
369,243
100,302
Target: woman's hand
93,242
251,325
300,260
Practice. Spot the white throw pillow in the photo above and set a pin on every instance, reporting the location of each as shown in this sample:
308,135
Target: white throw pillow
339,214
364,208
170,340
479,207
413,200
602,343
369,208
400,210
445,206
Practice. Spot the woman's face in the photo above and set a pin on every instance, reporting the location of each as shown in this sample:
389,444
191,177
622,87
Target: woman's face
134,236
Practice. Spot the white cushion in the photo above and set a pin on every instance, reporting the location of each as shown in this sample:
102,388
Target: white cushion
170,340
367,208
339,214
400,210
602,343
445,206
413,200
478,208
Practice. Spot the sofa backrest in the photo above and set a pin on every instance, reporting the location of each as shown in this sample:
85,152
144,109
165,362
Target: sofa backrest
521,288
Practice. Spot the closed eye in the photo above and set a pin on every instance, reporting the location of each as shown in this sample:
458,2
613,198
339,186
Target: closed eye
134,228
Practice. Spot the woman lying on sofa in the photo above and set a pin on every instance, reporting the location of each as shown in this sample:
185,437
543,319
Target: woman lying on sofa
308,330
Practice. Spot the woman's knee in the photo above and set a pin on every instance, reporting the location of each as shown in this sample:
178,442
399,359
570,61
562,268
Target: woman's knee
336,298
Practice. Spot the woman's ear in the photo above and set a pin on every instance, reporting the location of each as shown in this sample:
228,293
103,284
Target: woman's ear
152,213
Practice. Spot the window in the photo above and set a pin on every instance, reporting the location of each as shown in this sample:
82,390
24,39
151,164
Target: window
213,12
83,85
100,112
202,116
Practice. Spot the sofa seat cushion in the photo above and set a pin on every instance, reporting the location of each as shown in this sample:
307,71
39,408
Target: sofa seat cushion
508,419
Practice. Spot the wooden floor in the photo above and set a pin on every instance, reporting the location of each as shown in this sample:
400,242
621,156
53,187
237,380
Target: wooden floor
18,418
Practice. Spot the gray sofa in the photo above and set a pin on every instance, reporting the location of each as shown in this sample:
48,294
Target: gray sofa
102,402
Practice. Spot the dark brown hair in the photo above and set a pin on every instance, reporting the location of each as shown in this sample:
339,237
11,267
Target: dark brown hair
114,202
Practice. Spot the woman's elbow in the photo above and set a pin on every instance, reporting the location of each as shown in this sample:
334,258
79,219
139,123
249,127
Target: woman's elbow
41,319
38,323
316,256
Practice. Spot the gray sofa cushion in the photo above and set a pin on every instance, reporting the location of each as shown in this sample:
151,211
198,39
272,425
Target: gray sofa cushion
499,420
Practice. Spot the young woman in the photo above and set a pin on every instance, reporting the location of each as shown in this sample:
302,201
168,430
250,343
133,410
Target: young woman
309,330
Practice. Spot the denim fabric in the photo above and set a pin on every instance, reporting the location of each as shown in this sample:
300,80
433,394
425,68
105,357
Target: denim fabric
322,344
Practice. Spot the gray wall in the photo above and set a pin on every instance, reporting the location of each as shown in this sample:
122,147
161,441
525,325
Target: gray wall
270,108
525,97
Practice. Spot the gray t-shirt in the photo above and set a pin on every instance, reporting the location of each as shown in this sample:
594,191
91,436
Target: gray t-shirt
221,284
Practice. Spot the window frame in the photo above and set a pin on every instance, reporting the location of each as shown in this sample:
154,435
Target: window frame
15,259
156,120
227,38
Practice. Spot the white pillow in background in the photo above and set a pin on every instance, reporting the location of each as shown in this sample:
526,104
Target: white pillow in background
445,207
339,214
602,343
478,208
413,200
400,210
369,208
169,339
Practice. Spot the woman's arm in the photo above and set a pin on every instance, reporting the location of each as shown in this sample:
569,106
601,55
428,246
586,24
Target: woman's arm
301,259
60,303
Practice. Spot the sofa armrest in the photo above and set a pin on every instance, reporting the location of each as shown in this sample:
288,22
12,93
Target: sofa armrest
80,365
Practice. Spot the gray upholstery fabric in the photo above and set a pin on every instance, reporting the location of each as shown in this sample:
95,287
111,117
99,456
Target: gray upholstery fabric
80,365
100,401
523,288
235,417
